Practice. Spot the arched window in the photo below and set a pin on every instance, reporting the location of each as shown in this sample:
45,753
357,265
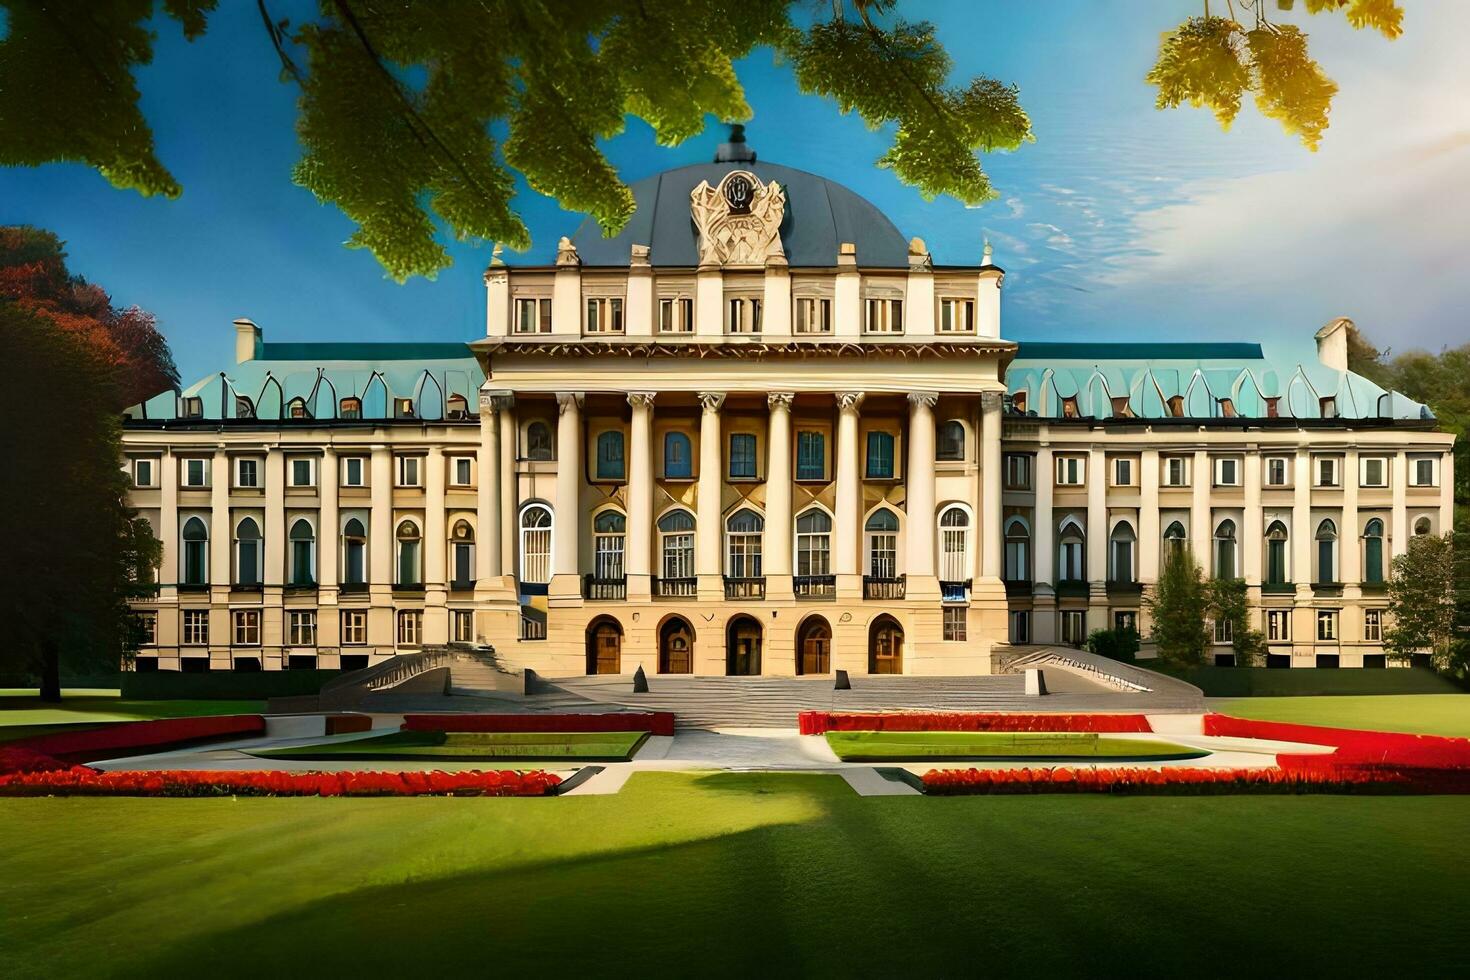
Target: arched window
1225,550
1121,554
813,544
608,531
954,545
296,409
1422,527
244,407
303,553
1071,551
196,552
880,456
676,545
538,441
1373,552
462,554
1173,541
354,553
881,530
247,552
1018,548
1327,552
350,408
536,545
1276,554
457,407
949,443
610,464
743,544
410,549
678,458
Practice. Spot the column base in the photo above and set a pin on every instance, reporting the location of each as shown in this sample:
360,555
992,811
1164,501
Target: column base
780,587
564,590
849,586
640,587
710,588
497,588
922,587
1043,615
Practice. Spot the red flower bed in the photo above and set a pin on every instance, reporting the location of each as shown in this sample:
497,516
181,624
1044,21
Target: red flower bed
25,760
1189,781
135,737
83,781
820,722
654,722
1354,748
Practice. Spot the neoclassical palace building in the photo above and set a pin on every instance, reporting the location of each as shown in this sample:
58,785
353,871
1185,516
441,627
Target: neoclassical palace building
761,432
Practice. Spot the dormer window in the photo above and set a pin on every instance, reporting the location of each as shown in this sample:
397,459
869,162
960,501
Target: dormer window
1069,407
742,314
1227,408
813,315
676,314
533,315
1328,406
403,408
956,315
1018,403
605,315
883,315
1273,406
458,407
1176,406
192,407
1122,409
244,409
296,409
350,408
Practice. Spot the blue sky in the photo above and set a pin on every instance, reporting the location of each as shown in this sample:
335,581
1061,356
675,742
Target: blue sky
1119,223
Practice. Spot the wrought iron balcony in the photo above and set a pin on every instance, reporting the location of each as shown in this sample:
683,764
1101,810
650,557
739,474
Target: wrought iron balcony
881,587
815,586
745,588
604,589
676,588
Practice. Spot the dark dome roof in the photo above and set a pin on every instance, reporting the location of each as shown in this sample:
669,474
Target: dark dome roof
820,214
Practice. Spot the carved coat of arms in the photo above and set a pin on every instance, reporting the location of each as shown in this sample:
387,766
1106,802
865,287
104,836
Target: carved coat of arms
739,221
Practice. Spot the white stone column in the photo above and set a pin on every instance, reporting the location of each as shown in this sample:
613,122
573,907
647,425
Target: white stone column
847,534
221,533
992,535
1253,529
327,535
638,555
488,516
436,547
1201,531
779,529
1097,540
1350,535
275,522
566,528
510,491
1043,550
919,481
168,524
708,517
1303,535
1150,544
1398,532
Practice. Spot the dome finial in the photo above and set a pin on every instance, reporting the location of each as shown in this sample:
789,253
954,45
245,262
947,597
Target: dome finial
734,150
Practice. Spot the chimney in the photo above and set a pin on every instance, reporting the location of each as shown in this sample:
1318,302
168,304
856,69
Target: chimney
1332,343
987,306
735,150
247,340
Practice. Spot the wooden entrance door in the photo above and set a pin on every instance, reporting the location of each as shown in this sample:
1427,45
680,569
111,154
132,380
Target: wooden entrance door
743,648
814,654
885,648
605,649
676,648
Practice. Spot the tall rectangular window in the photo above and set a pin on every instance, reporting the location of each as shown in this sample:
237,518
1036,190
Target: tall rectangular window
463,471
1021,626
1071,471
247,628
1373,625
410,627
956,624
196,627
742,315
1327,625
1375,472
1074,627
742,456
880,456
883,316
813,315
811,455
409,471
1327,471
354,627
533,315
1227,472
1123,472
1276,471
301,628
352,470
1176,472
1018,472
1278,625
462,626
247,473
302,472
196,472
956,315
1424,474
605,315
147,629
142,472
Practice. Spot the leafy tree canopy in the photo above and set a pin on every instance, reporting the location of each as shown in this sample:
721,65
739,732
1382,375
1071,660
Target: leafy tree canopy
34,277
1178,606
415,112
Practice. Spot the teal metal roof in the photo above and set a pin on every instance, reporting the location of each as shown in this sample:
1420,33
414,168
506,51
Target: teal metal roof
1195,380
321,375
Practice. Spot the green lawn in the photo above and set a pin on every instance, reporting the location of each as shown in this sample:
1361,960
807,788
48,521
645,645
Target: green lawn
1425,714
963,746
734,875
23,714
468,746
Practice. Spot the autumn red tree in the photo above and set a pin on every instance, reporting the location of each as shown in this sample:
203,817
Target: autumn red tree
34,276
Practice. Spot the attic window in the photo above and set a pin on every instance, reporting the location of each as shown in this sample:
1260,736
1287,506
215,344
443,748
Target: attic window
459,407
243,408
403,408
1176,406
296,409
1069,407
1273,406
1227,408
193,407
1328,406
350,408
1121,407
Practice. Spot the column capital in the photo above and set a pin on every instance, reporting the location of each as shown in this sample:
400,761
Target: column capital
849,401
923,399
569,400
641,399
711,401
496,401
780,399
991,401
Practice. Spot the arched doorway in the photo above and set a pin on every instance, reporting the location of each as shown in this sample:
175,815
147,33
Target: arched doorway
885,646
743,647
814,646
675,646
604,646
